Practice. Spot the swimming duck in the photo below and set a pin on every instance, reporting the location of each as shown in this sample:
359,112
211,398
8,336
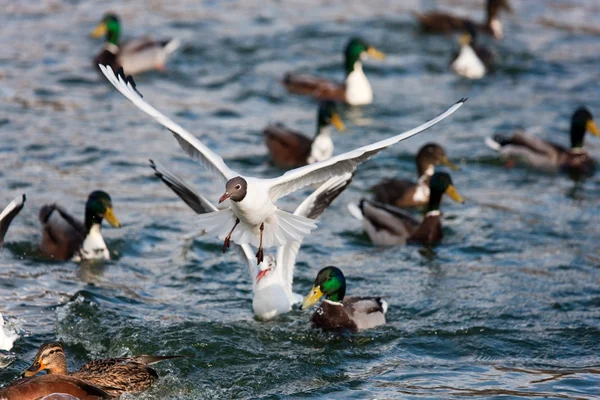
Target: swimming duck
134,56
8,214
291,149
48,386
338,312
406,193
472,61
356,89
390,226
64,237
439,22
271,280
548,156
113,375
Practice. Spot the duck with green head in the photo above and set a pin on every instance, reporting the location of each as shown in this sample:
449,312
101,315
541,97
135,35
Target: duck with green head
338,312
548,156
291,149
356,89
134,56
65,237
390,226
406,193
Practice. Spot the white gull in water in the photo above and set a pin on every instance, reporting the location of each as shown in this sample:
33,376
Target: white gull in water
272,279
252,208
7,338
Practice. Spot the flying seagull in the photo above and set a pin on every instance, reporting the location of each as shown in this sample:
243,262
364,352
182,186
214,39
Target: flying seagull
10,212
272,280
252,208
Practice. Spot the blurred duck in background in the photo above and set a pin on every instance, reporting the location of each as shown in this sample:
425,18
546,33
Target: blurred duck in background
356,89
537,153
291,149
473,60
134,56
405,193
439,22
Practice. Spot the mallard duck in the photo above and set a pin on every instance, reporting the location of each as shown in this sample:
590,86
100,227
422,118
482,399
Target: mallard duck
49,386
291,149
356,89
472,61
439,22
406,193
272,280
548,156
113,375
390,226
9,213
134,56
338,312
64,237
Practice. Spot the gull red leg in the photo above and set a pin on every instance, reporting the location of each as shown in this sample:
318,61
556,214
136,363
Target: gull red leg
259,253
227,241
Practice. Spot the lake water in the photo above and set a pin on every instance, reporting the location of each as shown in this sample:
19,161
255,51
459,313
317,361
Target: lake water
508,306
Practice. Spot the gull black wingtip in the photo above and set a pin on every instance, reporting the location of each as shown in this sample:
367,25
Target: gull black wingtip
463,100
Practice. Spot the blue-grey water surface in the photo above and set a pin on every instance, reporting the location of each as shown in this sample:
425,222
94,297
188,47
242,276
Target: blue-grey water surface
508,306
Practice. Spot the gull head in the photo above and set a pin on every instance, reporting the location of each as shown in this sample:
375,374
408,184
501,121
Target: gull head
235,189
266,266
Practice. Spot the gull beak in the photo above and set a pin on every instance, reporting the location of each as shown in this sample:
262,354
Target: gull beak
337,122
33,370
591,126
261,274
109,215
99,31
465,39
376,54
452,192
450,164
224,197
314,296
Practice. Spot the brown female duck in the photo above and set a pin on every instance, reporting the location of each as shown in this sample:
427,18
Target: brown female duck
439,22
46,385
338,312
548,156
406,193
113,375
291,149
390,226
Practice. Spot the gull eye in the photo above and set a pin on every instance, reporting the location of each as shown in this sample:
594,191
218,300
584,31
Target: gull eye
238,186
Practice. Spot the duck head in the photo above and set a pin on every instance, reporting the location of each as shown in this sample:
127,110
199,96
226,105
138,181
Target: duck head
331,283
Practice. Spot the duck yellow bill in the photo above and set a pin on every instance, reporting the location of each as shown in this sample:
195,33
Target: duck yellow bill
452,192
314,296
591,126
338,123
450,164
465,39
373,52
100,30
109,215
33,370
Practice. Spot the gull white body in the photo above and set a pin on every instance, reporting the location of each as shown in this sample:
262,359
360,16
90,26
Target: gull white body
358,88
7,338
